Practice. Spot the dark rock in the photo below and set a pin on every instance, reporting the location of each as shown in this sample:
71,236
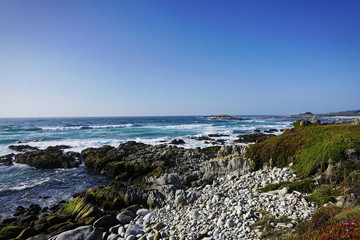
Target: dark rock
271,130
255,137
106,221
52,157
218,135
8,221
20,208
22,148
27,219
7,160
177,141
224,117
257,130
203,138
26,233
10,232
34,208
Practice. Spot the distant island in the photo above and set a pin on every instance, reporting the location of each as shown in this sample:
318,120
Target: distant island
352,113
224,117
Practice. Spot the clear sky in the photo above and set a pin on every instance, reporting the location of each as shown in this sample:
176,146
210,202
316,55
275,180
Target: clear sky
128,58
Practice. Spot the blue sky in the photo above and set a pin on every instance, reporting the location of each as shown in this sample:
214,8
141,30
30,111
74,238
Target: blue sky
140,58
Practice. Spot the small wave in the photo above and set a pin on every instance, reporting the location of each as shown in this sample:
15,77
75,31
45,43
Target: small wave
23,186
129,125
185,126
22,129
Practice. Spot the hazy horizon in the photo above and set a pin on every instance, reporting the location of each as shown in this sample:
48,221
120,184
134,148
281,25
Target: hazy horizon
165,58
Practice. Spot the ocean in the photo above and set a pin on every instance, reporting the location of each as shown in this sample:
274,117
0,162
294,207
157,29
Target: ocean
23,185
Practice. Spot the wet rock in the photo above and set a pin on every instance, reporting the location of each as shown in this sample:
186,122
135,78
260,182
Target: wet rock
177,142
218,135
52,157
7,160
22,148
271,130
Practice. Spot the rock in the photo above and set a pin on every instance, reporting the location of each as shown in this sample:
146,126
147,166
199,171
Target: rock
7,160
130,237
106,221
218,135
142,212
225,117
167,179
307,122
283,191
255,137
271,130
50,158
125,217
159,226
177,142
134,230
26,233
80,233
155,199
356,121
194,215
22,148
229,223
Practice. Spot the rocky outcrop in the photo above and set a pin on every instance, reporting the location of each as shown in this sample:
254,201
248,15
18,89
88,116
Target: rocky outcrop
52,157
22,148
255,137
133,161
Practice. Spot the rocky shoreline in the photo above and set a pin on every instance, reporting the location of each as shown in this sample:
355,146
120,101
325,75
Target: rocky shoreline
168,192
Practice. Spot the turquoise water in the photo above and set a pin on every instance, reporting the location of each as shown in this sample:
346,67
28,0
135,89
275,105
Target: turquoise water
23,185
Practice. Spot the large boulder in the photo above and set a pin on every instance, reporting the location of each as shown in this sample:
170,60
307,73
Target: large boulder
80,233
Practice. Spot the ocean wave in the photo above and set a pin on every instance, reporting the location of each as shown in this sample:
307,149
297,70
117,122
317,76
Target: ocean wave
22,129
185,126
69,128
25,185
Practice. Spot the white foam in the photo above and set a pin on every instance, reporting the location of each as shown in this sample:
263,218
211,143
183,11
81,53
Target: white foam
28,185
48,128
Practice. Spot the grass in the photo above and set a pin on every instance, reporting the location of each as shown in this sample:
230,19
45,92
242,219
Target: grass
304,186
324,194
310,148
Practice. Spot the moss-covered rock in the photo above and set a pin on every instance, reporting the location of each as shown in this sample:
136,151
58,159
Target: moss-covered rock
10,232
52,157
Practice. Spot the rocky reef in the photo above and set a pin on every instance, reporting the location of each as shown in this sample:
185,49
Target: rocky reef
229,192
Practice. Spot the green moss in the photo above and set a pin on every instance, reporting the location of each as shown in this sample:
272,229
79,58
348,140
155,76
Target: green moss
304,186
310,148
323,194
10,232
